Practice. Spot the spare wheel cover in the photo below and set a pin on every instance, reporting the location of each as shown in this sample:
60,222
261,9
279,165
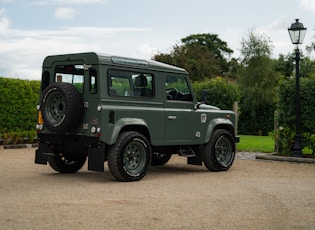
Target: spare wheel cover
62,107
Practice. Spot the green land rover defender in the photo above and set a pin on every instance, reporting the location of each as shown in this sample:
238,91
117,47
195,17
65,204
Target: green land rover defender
129,112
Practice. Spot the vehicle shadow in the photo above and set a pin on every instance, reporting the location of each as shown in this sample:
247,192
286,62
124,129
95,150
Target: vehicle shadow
105,177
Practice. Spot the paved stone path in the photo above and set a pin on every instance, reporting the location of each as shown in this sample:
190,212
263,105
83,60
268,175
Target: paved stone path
245,156
272,157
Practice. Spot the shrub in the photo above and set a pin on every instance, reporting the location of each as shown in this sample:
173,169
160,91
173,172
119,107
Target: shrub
19,137
18,100
287,113
220,92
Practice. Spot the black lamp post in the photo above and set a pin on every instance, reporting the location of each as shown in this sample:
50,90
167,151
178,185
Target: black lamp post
297,33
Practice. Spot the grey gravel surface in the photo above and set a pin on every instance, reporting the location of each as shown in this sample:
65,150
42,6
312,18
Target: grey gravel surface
253,194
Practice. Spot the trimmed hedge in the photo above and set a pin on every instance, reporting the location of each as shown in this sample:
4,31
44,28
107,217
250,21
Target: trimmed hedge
18,100
287,114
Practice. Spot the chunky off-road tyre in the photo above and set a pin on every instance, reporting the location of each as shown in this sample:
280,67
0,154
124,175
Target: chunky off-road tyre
67,163
219,152
129,158
160,158
61,107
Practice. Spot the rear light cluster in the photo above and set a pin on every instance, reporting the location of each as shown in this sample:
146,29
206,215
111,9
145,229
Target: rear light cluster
39,127
40,121
97,130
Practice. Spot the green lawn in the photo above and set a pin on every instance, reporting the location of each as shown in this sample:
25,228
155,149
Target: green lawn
250,143
263,144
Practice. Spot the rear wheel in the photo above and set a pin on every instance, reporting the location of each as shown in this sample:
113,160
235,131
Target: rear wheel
160,158
219,152
67,163
129,157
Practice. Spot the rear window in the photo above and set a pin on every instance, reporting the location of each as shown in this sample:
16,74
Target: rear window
73,74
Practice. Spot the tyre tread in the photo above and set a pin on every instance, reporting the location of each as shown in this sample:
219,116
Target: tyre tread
115,157
209,157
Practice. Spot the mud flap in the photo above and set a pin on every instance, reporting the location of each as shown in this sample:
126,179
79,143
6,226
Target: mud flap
40,156
197,159
96,158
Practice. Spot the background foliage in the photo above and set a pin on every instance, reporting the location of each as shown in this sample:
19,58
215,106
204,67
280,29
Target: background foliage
287,113
18,100
220,92
258,82
253,79
204,56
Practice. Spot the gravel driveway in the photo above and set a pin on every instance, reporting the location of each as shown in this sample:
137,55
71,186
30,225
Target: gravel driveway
253,194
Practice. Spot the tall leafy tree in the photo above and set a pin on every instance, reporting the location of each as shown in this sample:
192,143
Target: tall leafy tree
219,49
284,65
202,55
307,68
257,80
311,47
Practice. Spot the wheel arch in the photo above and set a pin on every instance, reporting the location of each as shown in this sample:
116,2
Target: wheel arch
129,124
219,124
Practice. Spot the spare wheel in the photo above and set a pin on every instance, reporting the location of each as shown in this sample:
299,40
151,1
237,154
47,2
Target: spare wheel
62,107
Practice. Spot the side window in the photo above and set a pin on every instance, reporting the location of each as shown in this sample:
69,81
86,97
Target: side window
143,86
45,80
73,74
176,88
118,86
93,81
130,84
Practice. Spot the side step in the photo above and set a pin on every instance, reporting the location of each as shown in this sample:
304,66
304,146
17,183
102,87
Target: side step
186,152
193,158
49,154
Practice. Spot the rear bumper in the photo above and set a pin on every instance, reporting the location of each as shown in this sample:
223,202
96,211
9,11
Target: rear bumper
67,143
76,141
74,144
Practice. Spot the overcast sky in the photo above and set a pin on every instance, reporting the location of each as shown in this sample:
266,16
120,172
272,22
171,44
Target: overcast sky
31,30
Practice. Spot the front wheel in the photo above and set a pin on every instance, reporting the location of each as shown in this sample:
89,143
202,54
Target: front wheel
129,157
219,152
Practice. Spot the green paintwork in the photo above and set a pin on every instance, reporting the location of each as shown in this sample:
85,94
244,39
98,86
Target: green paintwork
92,58
164,122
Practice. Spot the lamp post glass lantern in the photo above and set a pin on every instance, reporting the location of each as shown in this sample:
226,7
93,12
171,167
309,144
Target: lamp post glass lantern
297,33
